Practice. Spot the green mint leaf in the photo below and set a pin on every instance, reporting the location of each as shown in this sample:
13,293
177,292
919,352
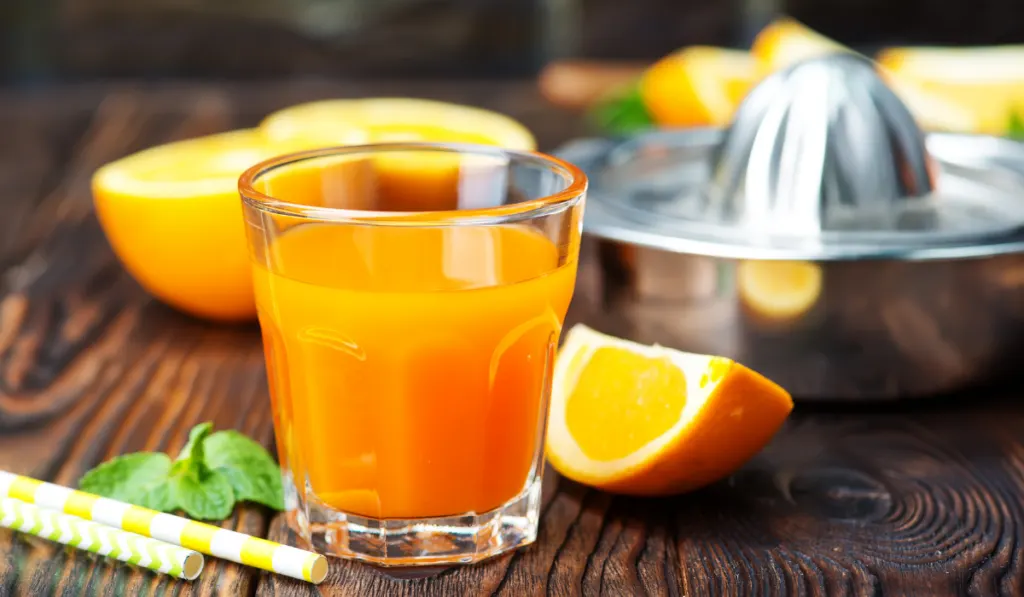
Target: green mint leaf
1015,128
211,473
621,113
159,498
204,494
130,478
192,455
253,474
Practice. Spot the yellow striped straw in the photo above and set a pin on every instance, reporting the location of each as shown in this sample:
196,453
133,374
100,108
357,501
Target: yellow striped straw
204,538
100,539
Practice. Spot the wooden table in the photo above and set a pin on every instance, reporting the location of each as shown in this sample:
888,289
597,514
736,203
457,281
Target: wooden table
917,499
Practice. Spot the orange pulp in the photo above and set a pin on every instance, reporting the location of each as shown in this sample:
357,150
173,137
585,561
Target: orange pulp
410,366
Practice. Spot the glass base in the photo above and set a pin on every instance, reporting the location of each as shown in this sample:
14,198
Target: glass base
460,539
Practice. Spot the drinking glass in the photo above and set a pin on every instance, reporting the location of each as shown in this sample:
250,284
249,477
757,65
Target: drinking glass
411,298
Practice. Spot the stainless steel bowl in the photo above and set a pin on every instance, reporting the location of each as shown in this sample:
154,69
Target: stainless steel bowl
878,329
897,294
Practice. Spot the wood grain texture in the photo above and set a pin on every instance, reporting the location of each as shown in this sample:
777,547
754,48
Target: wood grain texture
909,500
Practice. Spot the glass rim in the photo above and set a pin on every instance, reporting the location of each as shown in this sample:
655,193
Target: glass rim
574,190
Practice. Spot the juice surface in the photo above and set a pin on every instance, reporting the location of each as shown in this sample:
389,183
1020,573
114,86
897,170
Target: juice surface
409,367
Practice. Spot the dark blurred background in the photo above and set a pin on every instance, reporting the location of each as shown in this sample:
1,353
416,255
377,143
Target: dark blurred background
51,40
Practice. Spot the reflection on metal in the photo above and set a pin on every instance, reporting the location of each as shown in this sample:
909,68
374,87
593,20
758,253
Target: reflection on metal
824,145
907,250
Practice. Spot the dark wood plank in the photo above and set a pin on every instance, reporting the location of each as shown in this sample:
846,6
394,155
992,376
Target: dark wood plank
89,366
919,499
905,503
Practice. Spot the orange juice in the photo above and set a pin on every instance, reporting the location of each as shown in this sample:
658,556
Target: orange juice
408,366
411,296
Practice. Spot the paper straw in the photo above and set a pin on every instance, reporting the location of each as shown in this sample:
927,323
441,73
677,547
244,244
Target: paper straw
100,539
204,538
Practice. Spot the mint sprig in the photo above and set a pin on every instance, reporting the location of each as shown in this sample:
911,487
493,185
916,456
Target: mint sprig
253,474
621,113
1015,127
211,473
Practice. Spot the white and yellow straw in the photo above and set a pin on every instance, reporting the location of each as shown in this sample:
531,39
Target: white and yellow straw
93,537
211,540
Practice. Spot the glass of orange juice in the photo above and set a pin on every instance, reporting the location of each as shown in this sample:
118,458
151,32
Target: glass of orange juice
411,297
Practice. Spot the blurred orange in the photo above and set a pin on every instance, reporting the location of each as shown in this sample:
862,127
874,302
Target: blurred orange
697,86
786,42
989,81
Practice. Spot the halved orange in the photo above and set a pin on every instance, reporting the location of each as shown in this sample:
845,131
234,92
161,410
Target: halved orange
389,120
936,110
786,42
1002,65
697,86
650,420
173,217
328,123
779,290
987,81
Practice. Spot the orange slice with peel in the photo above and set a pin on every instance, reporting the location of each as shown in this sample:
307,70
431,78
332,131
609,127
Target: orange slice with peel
697,86
650,420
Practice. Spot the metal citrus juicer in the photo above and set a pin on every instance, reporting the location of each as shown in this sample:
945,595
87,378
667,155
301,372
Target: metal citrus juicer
822,239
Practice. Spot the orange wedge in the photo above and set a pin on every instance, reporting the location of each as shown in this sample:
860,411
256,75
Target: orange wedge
786,42
697,86
779,290
649,420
